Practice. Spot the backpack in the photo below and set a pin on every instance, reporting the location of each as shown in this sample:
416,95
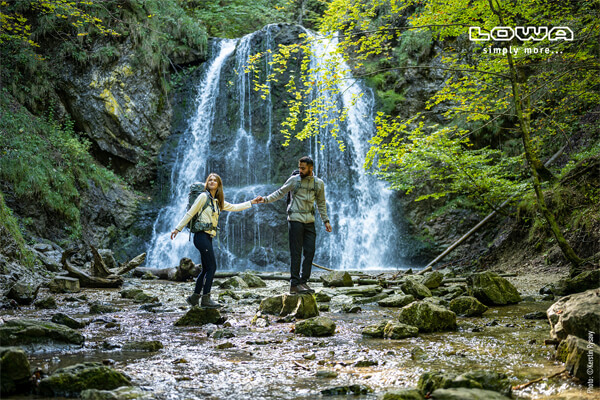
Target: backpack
289,197
196,189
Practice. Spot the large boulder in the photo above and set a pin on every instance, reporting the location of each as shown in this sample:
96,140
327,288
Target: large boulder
298,305
581,358
492,289
427,317
317,326
396,300
64,284
14,370
24,293
70,381
337,279
235,282
27,331
477,379
198,316
252,280
398,330
433,279
467,306
417,289
585,281
577,315
375,331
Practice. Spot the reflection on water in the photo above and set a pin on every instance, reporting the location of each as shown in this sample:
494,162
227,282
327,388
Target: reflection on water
272,363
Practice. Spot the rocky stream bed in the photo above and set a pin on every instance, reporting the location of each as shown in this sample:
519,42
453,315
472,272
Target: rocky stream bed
249,354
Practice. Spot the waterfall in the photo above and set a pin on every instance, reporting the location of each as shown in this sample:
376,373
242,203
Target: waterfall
232,133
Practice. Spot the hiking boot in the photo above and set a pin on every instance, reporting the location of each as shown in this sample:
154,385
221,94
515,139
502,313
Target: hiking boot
306,288
193,299
297,290
208,303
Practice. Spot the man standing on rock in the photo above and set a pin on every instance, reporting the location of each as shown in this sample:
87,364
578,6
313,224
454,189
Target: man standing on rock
305,189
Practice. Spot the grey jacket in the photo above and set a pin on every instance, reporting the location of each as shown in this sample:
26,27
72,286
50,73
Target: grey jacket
302,206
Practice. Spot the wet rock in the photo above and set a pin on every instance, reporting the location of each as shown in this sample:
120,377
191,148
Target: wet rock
492,289
102,308
478,379
252,280
297,305
64,319
433,279
197,316
454,291
143,345
317,326
343,303
24,293
418,354
72,380
15,371
337,279
28,331
235,282
226,345
64,284
466,394
438,301
122,393
342,390
375,331
397,330
577,315
45,303
152,307
223,334
325,295
369,300
397,300
404,394
138,296
324,307
413,287
536,315
365,363
467,306
360,291
229,293
326,373
427,317
585,281
581,358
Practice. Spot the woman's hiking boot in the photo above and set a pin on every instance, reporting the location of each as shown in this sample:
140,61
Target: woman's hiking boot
208,303
307,289
193,299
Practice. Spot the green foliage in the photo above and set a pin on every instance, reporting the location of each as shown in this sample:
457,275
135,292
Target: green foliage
10,227
46,163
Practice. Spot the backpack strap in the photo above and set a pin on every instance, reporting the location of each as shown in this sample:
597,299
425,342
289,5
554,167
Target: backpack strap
207,203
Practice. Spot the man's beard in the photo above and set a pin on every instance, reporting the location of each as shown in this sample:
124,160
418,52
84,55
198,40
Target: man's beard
302,175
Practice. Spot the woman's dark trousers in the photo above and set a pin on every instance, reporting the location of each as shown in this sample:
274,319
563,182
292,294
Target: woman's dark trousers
302,240
203,242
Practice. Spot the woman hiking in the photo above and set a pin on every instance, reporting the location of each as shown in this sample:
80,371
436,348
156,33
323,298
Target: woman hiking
206,226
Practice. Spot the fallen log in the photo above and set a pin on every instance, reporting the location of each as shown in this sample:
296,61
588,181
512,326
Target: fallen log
87,280
99,268
132,264
524,385
184,271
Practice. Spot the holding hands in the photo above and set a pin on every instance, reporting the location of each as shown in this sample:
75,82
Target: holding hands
257,199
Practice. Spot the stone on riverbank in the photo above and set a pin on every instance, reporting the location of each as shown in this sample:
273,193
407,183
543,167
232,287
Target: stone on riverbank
581,358
343,303
433,280
577,315
298,305
122,393
417,289
325,295
585,281
64,319
360,291
138,296
72,380
492,289
427,317
403,394
466,394
397,330
467,306
252,280
14,371
27,331
337,279
64,284
317,326
23,293
478,379
198,316
396,300
102,308
235,282
375,331
45,303
144,345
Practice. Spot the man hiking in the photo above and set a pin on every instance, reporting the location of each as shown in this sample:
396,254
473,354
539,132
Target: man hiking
305,189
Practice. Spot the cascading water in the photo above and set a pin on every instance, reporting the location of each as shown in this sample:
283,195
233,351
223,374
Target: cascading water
232,134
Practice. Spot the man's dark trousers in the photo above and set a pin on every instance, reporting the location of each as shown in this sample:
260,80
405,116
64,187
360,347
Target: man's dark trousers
302,238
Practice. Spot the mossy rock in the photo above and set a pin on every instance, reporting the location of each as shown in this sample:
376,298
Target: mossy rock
433,280
102,308
46,303
580,357
235,282
585,281
337,279
297,305
317,326
398,330
478,379
70,381
198,316
64,319
492,289
122,393
252,280
375,331
428,317
467,306
396,300
466,394
15,370
27,331
403,394
417,289
144,345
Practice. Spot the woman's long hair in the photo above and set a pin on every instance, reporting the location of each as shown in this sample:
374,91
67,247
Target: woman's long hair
219,195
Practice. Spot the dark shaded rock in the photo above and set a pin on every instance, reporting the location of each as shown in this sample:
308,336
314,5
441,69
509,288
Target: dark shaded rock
138,296
581,358
343,390
396,330
324,295
433,279
45,303
492,289
24,293
28,331
14,371
197,316
317,326
102,308
375,331
585,281
70,381
466,394
252,280
64,284
150,345
186,270
417,289
223,334
536,315
577,315
297,305
64,319
479,379
404,394
337,279
397,300
467,306
427,317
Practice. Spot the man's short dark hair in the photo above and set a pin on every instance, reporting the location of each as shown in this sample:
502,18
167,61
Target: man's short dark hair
307,160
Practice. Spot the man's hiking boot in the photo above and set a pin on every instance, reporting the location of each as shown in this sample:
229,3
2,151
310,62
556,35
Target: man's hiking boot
208,303
306,288
193,299
297,290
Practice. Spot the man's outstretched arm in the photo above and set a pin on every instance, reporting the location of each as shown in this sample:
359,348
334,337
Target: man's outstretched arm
279,193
